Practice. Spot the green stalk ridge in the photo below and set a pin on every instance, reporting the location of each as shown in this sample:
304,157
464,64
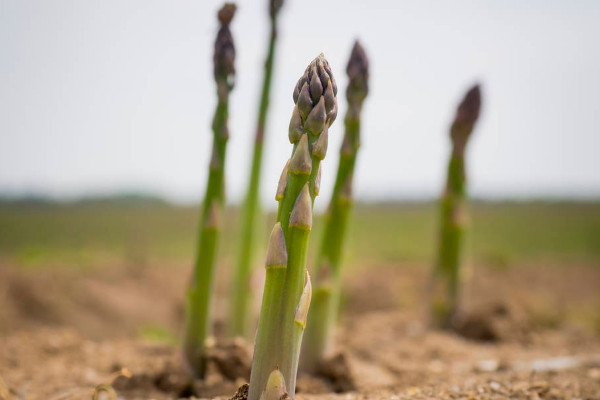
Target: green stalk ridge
327,269
445,302
198,306
287,294
241,295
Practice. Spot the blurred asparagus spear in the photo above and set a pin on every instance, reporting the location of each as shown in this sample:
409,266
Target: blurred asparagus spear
241,295
327,273
454,218
287,291
198,320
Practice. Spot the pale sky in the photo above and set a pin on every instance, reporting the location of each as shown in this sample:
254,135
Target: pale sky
101,96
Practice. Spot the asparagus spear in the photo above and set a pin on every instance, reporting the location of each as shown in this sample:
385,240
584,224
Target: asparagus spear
287,292
198,321
241,296
327,273
446,290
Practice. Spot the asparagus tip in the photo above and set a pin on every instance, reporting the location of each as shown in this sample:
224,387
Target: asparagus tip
468,110
358,72
224,50
274,7
301,216
315,95
275,386
226,13
466,116
276,250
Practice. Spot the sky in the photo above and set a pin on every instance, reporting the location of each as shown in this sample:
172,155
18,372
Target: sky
102,96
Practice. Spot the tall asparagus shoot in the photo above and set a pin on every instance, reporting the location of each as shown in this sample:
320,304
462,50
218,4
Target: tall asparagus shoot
287,291
327,272
241,296
454,219
198,321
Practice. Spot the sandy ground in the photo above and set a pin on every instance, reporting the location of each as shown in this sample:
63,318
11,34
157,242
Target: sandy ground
65,331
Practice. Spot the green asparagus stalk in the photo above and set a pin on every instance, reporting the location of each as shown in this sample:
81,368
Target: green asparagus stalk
241,295
327,270
454,218
287,291
198,321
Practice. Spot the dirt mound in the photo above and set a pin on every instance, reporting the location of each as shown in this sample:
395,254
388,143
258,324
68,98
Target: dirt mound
494,322
108,303
121,300
231,357
336,370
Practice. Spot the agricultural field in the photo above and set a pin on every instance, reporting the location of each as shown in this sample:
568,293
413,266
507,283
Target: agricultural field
124,296
93,234
92,293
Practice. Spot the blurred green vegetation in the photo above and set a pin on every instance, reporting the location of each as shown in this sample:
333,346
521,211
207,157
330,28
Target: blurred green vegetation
160,334
36,234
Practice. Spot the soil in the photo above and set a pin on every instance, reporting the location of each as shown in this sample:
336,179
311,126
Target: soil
531,332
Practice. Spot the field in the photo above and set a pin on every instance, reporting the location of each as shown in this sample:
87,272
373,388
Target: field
94,233
90,288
